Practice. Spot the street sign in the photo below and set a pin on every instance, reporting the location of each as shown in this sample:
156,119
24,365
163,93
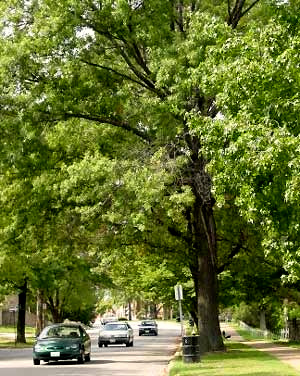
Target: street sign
178,292
13,309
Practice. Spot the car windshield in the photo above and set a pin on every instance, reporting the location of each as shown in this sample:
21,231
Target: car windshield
115,327
60,332
148,323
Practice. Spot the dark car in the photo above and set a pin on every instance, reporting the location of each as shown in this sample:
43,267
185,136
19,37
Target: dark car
115,333
148,327
61,342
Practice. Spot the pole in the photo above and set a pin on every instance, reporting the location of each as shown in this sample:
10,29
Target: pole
179,297
14,314
180,316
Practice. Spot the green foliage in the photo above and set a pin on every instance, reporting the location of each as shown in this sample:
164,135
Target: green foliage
110,112
250,314
293,311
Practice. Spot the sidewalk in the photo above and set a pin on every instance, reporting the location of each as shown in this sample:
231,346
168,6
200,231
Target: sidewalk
286,354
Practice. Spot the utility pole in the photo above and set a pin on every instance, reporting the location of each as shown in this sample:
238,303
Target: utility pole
179,297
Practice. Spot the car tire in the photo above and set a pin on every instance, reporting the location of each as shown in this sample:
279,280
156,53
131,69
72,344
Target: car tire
106,344
36,362
100,344
80,359
87,357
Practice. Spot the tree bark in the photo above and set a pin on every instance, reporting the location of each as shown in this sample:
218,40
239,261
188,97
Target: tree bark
262,320
54,306
39,313
206,287
21,338
204,253
129,311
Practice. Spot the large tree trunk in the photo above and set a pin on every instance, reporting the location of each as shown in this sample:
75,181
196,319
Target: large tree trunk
204,251
206,287
21,338
207,297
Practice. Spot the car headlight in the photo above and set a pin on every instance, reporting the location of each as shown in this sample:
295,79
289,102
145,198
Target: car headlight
38,348
72,347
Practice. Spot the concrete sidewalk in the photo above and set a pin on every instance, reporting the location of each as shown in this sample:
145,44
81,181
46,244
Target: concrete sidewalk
286,354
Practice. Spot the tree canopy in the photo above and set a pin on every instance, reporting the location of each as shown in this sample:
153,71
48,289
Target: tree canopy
157,129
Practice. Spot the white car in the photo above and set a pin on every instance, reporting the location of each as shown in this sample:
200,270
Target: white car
115,333
107,319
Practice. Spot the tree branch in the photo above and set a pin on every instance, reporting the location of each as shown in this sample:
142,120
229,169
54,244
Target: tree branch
235,15
117,123
249,8
116,41
139,59
150,85
115,72
233,253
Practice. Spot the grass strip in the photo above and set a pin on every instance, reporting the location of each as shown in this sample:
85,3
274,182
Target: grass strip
248,336
238,360
7,337
9,343
12,329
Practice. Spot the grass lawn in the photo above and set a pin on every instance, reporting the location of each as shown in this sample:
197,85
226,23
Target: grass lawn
7,338
11,329
239,360
7,343
248,336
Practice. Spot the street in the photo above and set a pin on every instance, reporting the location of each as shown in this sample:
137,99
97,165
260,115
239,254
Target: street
148,357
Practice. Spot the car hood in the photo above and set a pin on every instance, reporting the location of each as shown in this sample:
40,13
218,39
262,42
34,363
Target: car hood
113,332
58,341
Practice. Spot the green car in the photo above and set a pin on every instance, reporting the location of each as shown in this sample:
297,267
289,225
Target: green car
61,342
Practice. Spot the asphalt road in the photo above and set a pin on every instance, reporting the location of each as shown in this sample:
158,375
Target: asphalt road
148,357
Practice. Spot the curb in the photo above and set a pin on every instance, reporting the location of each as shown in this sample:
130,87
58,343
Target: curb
176,353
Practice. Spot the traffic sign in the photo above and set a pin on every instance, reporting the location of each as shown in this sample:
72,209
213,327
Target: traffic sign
178,292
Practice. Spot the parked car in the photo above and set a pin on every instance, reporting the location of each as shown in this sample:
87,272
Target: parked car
115,333
62,341
148,327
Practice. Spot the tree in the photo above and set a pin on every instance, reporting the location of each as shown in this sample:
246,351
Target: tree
151,75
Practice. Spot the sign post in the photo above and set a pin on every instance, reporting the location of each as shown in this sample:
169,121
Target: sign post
179,297
14,310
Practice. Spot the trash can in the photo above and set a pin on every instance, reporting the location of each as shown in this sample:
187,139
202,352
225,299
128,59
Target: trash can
191,349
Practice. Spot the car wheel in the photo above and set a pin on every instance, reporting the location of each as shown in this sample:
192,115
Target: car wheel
131,344
80,359
100,344
105,344
87,357
140,333
36,362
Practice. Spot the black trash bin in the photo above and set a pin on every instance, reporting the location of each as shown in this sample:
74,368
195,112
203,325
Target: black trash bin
191,349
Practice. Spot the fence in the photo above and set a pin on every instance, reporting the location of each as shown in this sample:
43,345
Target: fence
10,318
258,333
